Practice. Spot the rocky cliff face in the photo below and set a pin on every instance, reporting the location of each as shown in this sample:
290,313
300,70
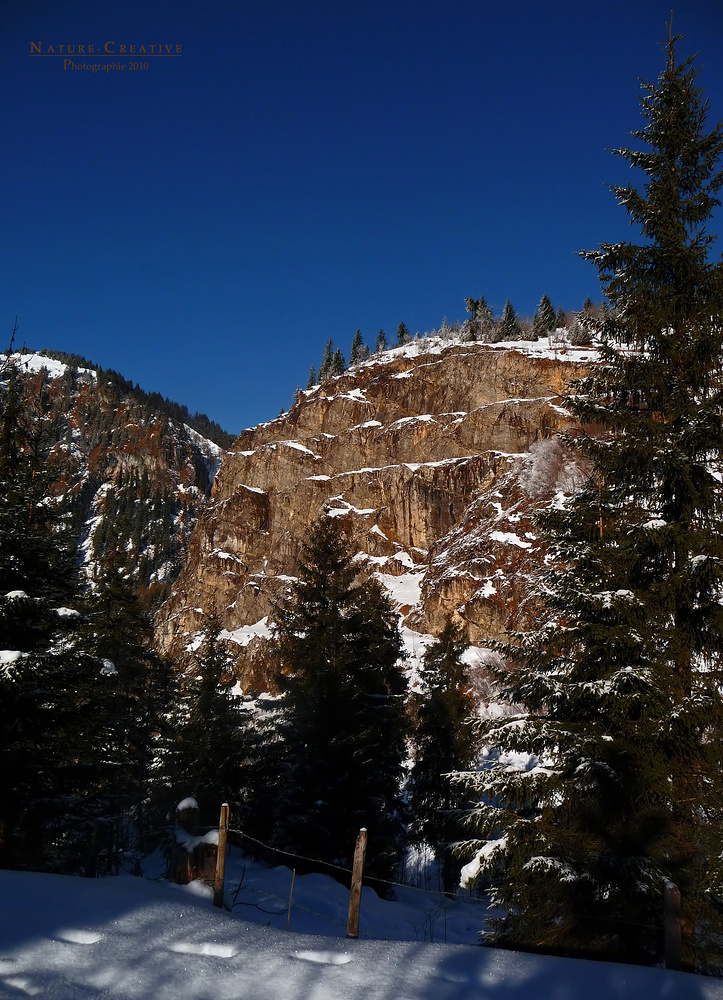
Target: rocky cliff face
435,456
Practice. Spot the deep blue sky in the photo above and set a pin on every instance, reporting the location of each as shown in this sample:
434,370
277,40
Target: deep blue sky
307,167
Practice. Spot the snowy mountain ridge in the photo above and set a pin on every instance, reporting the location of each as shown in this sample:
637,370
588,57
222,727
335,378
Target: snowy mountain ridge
137,478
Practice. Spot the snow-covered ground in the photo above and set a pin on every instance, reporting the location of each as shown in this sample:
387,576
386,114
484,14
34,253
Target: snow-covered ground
38,362
64,938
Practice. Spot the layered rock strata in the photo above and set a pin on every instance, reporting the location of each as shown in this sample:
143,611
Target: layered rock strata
435,456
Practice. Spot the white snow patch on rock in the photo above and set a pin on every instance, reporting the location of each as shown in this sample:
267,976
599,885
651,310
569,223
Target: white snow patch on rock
212,453
298,446
509,538
404,590
242,636
220,554
10,656
367,423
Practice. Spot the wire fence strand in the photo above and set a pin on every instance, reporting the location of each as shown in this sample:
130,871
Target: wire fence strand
289,854
348,871
330,864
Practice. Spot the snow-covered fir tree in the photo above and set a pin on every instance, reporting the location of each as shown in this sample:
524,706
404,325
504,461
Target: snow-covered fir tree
343,715
611,782
546,312
509,327
481,322
358,352
215,736
138,698
338,364
539,328
49,740
443,741
325,368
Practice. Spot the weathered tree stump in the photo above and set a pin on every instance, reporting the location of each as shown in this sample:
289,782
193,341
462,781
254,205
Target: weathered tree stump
193,855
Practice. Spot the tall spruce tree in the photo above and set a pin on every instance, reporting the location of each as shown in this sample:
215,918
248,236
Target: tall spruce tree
343,714
403,336
357,352
443,741
546,311
509,328
49,748
612,784
213,749
338,364
138,700
539,327
327,360
481,321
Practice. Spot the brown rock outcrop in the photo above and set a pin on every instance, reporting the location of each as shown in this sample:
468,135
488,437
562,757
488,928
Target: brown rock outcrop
434,455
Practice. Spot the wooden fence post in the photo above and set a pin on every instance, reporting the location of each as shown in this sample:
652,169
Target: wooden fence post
671,916
102,833
221,856
352,923
291,893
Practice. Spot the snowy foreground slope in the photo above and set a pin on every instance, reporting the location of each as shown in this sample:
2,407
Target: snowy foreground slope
125,937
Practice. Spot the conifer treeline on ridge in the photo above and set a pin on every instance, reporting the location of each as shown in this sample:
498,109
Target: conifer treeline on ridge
481,325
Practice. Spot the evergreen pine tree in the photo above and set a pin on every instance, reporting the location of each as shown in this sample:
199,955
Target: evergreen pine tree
338,364
343,716
214,745
509,328
357,353
539,327
582,329
138,704
613,783
48,749
325,368
561,319
471,329
402,335
481,323
381,343
548,319
312,380
443,741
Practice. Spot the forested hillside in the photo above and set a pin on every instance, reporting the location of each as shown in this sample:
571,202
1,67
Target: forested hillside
136,476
